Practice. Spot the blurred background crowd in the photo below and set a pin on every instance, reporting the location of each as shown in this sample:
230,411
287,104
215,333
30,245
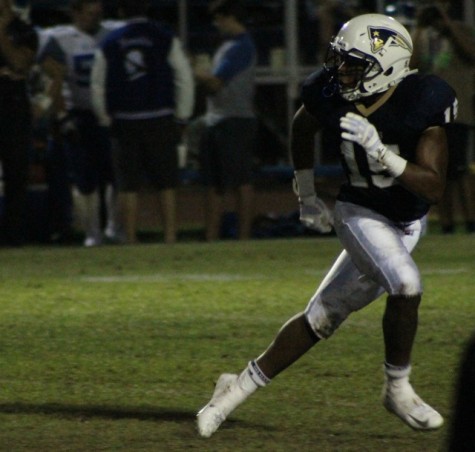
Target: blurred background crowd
67,190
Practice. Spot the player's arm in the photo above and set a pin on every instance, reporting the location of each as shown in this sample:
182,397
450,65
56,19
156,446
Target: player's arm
302,139
426,176
313,212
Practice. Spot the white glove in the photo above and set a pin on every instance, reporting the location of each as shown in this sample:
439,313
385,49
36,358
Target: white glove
314,214
361,131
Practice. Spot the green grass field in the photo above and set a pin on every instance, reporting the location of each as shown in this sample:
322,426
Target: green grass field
116,348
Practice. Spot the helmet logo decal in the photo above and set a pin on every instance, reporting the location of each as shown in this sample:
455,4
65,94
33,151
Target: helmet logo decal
379,36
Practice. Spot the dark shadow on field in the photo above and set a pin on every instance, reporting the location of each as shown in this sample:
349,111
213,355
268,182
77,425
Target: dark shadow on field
91,411
83,412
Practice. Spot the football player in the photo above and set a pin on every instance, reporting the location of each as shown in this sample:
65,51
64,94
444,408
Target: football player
389,122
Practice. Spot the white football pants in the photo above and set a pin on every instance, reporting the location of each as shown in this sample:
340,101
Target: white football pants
376,259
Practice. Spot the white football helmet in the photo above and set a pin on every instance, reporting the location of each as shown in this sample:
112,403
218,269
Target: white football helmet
369,54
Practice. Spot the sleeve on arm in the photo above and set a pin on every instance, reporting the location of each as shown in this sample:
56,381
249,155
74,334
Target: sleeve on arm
98,78
183,80
237,58
436,104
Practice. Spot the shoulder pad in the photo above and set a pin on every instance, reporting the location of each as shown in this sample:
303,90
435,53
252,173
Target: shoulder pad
434,103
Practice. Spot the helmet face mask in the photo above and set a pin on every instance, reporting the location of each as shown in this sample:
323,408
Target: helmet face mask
352,70
370,54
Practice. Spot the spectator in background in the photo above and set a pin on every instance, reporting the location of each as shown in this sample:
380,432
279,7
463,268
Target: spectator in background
45,87
143,88
446,47
87,143
18,47
325,18
231,127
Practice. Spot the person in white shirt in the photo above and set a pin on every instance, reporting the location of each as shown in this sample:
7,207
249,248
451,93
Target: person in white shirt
87,143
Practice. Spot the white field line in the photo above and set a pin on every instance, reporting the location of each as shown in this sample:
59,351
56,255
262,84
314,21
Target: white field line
445,271
224,277
221,277
426,271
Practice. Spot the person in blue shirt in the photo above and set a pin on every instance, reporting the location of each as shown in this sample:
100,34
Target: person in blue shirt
230,134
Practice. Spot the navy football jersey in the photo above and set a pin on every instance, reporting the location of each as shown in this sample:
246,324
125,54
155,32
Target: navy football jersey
417,103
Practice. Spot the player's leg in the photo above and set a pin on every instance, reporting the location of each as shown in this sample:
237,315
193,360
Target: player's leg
323,315
399,327
292,341
400,321
381,250
343,291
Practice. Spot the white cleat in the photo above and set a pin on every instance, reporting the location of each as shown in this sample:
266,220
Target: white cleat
399,398
226,397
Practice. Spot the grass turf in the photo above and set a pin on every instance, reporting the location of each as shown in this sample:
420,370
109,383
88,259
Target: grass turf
116,348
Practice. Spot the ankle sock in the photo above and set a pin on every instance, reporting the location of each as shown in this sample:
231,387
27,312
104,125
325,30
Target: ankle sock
396,372
252,378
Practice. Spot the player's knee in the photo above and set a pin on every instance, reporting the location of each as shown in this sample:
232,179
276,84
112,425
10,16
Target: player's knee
322,320
409,283
408,291
409,287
